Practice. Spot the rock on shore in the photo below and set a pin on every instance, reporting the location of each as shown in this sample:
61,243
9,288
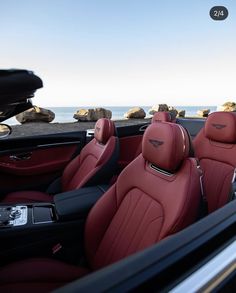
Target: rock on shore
136,112
158,108
35,114
165,108
92,114
181,113
203,113
227,107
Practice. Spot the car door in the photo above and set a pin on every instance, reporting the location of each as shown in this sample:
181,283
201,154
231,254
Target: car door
34,162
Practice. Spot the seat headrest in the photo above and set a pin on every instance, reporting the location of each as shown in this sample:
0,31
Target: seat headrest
221,127
104,129
165,145
161,117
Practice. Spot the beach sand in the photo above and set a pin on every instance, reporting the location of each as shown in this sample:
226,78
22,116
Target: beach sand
42,128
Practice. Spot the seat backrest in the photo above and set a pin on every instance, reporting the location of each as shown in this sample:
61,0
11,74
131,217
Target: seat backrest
156,195
215,147
97,160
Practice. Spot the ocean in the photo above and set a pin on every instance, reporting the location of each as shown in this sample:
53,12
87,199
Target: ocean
65,114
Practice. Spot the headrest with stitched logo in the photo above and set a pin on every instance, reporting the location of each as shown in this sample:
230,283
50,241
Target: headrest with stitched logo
221,127
165,145
104,129
161,117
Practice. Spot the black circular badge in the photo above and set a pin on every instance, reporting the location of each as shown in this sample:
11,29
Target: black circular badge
219,13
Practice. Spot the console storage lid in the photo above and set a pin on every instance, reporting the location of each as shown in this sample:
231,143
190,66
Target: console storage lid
77,203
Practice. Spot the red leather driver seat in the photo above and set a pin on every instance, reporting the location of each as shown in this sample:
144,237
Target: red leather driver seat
96,161
156,195
215,147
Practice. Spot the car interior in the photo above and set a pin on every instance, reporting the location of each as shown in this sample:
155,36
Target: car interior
95,164
73,205
139,203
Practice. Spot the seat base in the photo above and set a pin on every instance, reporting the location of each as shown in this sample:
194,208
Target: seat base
38,275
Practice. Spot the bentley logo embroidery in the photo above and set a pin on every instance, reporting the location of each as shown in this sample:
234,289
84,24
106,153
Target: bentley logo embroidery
156,143
98,129
218,126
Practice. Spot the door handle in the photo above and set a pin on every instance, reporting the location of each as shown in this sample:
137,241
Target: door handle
21,157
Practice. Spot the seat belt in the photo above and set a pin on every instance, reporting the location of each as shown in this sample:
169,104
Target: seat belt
203,209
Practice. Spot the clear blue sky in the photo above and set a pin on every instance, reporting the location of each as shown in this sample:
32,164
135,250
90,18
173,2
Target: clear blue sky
122,52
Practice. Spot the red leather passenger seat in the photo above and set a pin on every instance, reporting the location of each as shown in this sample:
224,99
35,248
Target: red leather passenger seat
215,146
155,196
96,161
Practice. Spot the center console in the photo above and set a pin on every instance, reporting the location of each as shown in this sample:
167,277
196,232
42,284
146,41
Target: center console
26,229
26,215
67,206
11,216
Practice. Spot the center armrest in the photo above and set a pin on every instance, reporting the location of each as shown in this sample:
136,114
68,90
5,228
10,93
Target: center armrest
77,203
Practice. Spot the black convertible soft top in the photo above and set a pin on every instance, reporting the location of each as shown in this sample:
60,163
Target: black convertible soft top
17,85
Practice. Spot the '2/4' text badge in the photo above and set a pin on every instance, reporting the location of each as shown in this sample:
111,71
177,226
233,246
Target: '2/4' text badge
219,13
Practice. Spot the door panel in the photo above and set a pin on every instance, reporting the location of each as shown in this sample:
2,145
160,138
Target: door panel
34,162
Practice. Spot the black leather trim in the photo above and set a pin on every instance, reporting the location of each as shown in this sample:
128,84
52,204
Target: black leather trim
77,203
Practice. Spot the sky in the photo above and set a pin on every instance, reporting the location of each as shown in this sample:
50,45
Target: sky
122,52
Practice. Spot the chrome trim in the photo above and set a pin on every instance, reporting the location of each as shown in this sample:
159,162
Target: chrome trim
90,132
58,144
21,156
211,274
155,168
22,217
143,127
45,222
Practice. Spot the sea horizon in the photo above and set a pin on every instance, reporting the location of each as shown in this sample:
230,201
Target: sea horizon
65,114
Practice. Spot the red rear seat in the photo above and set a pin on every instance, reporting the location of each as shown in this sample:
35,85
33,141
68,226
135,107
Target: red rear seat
162,117
215,146
156,195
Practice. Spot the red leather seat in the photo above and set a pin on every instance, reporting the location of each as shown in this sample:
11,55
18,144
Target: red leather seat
215,147
156,195
96,161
